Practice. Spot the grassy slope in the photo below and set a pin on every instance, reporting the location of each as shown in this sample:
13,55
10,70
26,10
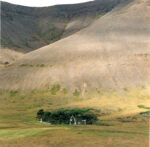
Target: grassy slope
18,124
8,55
124,135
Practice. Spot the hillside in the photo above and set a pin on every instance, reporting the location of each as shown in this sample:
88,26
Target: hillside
25,28
8,56
91,60
113,52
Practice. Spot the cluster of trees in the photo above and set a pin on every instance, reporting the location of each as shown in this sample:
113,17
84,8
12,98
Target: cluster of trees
63,116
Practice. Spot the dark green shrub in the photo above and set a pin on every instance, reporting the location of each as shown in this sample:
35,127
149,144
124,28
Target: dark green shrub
63,116
46,116
76,93
13,92
147,113
40,114
144,107
64,91
55,88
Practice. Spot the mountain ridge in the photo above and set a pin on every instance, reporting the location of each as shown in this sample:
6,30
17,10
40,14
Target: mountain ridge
28,28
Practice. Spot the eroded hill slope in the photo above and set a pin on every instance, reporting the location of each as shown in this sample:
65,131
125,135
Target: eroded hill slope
113,52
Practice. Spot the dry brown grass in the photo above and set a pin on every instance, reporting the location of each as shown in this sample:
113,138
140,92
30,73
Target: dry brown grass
19,128
120,135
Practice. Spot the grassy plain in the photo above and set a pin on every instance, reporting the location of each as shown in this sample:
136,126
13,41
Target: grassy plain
120,123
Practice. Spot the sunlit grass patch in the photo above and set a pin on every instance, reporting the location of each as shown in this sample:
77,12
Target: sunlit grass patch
22,133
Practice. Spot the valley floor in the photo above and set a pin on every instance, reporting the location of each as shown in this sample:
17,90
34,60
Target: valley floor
129,134
19,127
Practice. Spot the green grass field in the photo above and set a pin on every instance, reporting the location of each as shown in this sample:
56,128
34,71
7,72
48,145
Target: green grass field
130,134
120,123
